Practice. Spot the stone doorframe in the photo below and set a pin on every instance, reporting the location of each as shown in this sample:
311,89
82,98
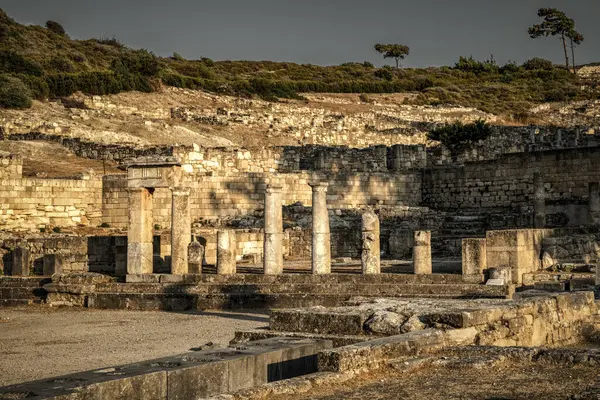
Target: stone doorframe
144,175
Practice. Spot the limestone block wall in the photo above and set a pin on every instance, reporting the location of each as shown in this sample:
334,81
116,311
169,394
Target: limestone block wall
35,203
73,248
507,183
221,196
518,139
11,167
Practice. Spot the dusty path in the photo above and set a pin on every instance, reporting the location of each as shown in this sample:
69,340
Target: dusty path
41,342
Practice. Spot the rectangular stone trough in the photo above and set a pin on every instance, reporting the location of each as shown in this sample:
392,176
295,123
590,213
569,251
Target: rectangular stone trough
187,376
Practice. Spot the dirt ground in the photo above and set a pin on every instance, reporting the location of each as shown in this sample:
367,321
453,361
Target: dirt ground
529,381
41,342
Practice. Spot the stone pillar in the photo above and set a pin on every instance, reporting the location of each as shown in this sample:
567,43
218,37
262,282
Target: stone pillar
226,244
594,205
181,230
21,262
53,264
195,257
598,274
371,262
422,253
273,246
139,235
474,256
539,201
321,240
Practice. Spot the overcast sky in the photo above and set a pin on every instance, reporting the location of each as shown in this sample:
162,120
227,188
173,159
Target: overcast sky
320,31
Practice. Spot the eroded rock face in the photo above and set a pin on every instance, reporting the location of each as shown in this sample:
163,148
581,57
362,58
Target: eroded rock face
413,324
385,323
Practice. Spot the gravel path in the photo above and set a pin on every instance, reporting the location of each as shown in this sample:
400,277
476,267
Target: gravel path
42,342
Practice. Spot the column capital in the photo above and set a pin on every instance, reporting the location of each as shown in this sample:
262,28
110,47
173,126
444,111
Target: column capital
180,191
273,188
319,186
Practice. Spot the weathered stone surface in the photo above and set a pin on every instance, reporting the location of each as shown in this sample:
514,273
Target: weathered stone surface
474,256
321,240
385,323
53,264
195,257
422,253
273,246
181,230
594,203
226,252
139,236
371,249
21,262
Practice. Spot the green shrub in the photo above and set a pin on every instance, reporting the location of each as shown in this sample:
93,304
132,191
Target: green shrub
384,73
538,63
104,225
61,64
56,229
14,93
365,99
475,66
458,137
56,28
140,62
12,62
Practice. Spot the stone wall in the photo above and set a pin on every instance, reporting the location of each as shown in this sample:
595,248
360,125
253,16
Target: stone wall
518,139
36,203
507,183
224,196
73,248
11,166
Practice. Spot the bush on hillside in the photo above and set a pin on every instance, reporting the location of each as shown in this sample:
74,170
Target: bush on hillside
475,66
538,63
458,137
14,93
56,28
11,62
140,62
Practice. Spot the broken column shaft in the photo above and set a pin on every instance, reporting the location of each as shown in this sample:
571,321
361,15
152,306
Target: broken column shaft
181,230
539,201
273,240
370,257
139,235
226,254
321,240
422,253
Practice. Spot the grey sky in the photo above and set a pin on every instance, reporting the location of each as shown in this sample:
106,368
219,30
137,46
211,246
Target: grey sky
320,31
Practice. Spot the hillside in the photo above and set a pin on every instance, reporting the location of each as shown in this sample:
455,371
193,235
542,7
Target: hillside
52,65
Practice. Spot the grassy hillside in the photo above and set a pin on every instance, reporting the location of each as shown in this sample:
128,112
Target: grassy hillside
52,65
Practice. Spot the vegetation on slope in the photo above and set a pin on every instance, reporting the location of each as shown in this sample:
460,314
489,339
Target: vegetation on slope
52,65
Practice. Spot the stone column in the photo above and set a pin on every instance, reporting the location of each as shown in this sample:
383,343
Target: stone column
474,256
139,235
371,262
181,230
273,246
539,201
422,253
321,240
53,264
195,257
397,157
594,205
226,243
21,262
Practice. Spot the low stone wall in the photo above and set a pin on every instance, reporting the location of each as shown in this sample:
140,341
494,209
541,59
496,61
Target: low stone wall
74,249
540,321
187,376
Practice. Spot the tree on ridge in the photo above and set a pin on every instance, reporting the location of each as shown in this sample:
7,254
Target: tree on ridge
395,51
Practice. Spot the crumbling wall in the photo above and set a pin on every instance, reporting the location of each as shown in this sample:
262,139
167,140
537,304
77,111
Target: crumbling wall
507,183
11,166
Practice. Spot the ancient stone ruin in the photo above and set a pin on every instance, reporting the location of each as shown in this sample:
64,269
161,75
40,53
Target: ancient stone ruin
373,258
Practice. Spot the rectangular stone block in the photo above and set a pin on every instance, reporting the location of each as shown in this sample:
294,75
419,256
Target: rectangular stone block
53,264
474,255
21,262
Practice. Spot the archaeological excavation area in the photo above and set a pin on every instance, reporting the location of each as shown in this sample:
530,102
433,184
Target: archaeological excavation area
366,270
